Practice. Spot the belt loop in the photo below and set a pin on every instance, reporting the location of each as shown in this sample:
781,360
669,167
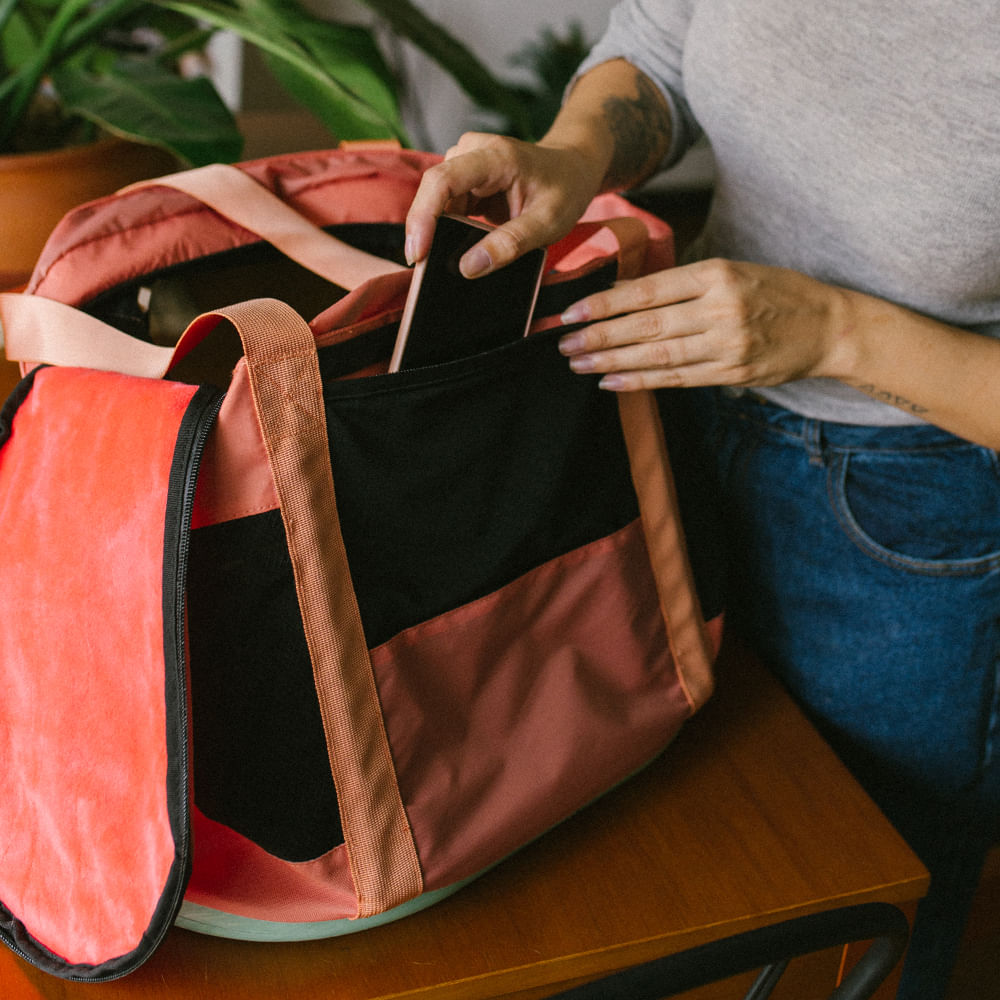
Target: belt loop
812,438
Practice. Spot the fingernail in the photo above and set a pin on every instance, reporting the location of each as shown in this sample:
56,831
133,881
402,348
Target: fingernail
408,250
612,382
583,363
577,313
571,343
476,262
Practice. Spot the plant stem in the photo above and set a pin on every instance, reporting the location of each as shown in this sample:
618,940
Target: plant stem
64,34
20,88
88,27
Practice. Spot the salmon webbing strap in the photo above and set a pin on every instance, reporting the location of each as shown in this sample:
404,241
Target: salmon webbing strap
657,495
288,397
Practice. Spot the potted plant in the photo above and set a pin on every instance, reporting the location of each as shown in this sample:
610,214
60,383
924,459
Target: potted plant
78,73
97,93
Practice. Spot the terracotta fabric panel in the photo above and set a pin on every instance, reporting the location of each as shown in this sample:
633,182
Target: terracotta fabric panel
377,302
128,235
625,238
235,479
348,184
83,485
234,875
660,246
492,707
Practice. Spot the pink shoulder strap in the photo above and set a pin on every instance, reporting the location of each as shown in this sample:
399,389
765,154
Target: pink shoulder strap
236,196
38,330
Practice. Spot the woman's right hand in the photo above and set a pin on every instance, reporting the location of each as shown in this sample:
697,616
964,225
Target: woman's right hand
610,133
533,193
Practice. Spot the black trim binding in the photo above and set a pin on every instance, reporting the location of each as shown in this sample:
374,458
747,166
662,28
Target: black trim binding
13,404
198,420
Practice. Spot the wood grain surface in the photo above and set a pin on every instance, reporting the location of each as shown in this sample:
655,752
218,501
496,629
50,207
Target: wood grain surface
747,819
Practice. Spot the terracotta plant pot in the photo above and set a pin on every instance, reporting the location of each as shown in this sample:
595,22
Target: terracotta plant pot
38,189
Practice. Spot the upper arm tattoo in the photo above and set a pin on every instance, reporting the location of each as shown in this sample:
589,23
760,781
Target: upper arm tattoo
640,127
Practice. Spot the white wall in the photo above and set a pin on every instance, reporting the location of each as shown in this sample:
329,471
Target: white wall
436,111
494,30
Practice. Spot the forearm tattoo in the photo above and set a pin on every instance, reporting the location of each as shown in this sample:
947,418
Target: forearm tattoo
883,396
640,127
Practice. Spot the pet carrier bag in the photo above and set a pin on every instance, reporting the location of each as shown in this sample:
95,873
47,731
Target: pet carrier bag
289,645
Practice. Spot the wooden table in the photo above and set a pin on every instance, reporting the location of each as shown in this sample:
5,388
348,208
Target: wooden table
10,375
746,821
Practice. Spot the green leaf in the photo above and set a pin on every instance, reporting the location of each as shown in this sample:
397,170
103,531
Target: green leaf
17,43
343,79
350,55
147,103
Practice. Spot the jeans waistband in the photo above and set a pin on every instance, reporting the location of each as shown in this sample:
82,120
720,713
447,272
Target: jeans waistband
814,434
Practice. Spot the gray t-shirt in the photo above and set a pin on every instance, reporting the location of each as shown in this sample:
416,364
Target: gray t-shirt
857,141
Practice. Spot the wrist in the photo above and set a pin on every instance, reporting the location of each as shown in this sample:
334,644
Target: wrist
590,151
845,344
873,335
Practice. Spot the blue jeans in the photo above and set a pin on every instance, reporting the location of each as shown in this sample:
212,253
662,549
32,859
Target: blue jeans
864,567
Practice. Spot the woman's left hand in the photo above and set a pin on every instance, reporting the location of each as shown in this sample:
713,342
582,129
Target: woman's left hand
714,322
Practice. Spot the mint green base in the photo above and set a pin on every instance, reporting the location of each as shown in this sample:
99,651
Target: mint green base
205,920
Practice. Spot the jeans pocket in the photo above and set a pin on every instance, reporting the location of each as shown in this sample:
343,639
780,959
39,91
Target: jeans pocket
934,512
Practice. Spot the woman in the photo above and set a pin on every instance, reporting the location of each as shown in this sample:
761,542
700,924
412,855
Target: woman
844,301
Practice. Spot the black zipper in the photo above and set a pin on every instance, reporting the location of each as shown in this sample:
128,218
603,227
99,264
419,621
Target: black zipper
191,438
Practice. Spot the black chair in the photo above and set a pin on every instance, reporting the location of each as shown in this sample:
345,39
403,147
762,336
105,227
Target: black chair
772,948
